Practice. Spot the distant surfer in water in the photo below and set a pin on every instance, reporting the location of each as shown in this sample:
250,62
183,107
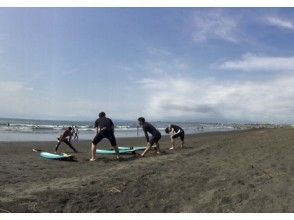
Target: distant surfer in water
175,131
105,129
66,138
147,127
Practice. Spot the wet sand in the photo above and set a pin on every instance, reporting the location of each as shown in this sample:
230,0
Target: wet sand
239,171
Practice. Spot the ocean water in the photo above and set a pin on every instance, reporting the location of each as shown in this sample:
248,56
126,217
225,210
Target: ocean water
49,130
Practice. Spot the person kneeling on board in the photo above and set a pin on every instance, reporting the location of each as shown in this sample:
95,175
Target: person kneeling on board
104,129
175,132
66,138
147,127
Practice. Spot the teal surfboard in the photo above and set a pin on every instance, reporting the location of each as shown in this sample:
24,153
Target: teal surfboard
141,148
111,152
52,156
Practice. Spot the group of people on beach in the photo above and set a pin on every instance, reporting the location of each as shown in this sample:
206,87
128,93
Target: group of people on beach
105,129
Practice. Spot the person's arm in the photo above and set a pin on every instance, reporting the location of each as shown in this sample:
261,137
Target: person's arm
146,134
96,126
172,131
63,136
70,136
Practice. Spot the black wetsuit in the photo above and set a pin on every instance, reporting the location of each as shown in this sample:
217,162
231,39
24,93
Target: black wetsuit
106,131
147,127
179,132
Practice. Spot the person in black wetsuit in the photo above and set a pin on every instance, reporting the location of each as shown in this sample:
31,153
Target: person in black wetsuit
147,127
66,138
175,131
105,129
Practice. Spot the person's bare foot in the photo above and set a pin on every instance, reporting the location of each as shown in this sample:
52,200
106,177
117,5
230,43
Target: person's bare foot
92,159
172,148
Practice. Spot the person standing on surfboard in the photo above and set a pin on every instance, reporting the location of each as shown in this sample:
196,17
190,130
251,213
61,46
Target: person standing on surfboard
147,127
175,131
66,138
105,129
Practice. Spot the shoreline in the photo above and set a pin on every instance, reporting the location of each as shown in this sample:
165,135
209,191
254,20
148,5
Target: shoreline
235,171
140,137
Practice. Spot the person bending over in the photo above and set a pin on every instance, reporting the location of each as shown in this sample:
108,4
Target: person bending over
104,129
66,138
147,127
175,131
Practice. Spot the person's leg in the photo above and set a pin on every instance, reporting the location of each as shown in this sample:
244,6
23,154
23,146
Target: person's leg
95,141
70,145
112,140
93,152
157,148
147,148
153,140
172,143
157,144
182,139
57,145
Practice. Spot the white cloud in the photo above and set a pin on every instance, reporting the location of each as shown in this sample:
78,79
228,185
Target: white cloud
159,52
11,86
250,62
209,99
279,22
214,25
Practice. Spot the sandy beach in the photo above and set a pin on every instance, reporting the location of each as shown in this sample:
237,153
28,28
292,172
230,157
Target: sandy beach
239,171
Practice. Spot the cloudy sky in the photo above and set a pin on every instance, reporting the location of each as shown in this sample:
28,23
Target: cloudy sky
182,64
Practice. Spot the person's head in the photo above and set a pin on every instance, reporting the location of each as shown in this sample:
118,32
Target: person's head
167,130
141,120
102,114
69,128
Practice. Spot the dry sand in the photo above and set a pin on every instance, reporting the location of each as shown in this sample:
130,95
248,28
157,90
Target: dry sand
240,171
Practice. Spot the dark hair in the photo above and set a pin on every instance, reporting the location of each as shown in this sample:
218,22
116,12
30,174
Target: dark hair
167,130
141,119
102,114
69,128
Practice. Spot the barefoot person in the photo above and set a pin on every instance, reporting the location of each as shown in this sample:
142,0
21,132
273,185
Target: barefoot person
76,132
105,129
175,131
66,138
147,127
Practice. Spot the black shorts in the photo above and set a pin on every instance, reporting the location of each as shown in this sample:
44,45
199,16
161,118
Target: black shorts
105,134
155,139
180,134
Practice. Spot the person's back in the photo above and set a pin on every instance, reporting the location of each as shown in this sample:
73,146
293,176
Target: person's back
66,133
176,128
147,127
104,123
